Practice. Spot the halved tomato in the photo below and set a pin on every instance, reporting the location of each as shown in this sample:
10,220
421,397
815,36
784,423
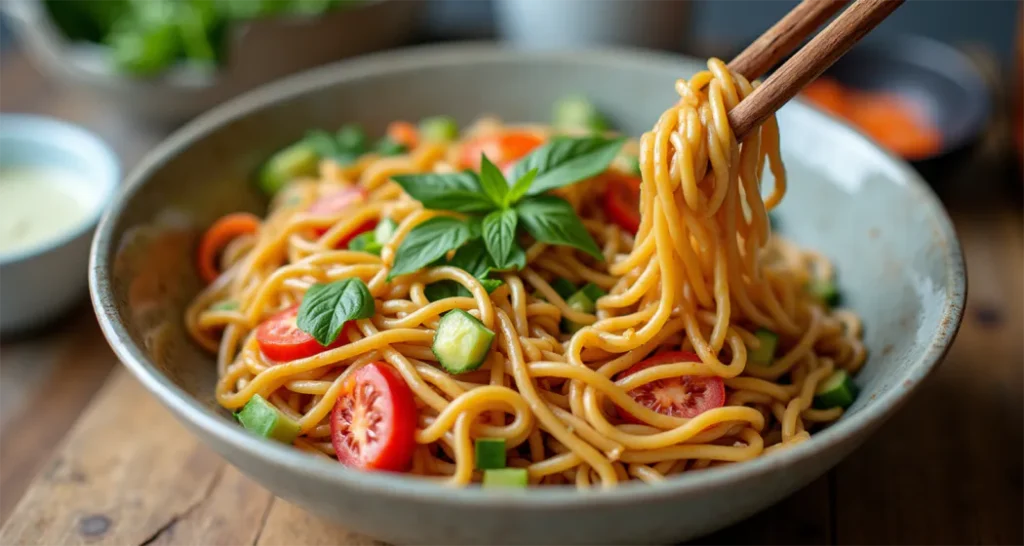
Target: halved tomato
503,149
622,201
685,396
280,338
336,202
373,424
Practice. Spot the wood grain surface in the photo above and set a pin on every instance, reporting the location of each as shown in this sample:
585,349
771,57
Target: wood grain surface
79,466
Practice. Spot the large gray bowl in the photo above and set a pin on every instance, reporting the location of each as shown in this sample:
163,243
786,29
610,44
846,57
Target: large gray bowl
898,259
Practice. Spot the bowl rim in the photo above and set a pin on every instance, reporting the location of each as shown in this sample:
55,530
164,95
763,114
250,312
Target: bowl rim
104,176
288,459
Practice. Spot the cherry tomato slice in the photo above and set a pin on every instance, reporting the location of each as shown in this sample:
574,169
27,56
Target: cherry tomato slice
336,202
281,340
373,424
622,201
685,396
503,149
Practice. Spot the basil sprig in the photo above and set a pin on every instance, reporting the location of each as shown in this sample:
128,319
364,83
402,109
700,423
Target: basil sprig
497,209
327,307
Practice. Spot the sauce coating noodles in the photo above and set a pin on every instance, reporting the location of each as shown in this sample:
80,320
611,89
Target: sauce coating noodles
702,274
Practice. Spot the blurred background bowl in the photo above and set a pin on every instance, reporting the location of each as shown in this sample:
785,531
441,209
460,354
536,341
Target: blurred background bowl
257,51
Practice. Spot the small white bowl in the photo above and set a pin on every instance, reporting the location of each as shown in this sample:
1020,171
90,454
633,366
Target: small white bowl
39,282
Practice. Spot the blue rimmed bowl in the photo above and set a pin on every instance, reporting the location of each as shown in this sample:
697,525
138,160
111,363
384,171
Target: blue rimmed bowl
898,259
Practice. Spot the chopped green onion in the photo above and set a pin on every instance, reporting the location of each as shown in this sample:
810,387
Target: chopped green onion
563,287
439,129
490,453
505,477
225,305
351,139
299,159
366,242
765,351
838,390
593,291
825,290
262,418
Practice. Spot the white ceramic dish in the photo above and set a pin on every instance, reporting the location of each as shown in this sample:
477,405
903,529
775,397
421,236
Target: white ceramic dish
39,282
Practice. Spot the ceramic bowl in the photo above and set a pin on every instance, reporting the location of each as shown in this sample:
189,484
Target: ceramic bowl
898,259
41,281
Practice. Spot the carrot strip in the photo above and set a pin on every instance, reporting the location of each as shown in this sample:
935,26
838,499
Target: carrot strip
218,236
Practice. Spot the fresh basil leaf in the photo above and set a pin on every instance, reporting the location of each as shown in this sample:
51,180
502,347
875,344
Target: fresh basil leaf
492,181
565,160
500,236
520,187
428,242
450,289
473,259
459,192
552,220
366,242
327,307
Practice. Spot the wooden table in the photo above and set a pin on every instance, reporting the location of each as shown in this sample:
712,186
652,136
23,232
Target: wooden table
87,456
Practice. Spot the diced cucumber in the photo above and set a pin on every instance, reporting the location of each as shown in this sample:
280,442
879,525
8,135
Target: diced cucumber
351,139
584,301
490,453
299,159
439,129
262,418
765,352
563,287
387,147
577,112
505,477
461,342
825,290
366,242
385,230
322,142
224,305
838,390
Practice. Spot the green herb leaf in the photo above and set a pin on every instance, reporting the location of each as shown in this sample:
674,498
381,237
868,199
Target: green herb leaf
564,160
322,143
459,192
500,236
520,187
552,220
429,241
493,182
473,259
366,242
327,307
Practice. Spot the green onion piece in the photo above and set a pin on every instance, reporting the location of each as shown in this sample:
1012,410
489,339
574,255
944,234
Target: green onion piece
366,242
838,390
388,147
352,139
563,287
439,129
299,159
505,477
577,112
385,230
765,351
262,418
825,290
490,453
225,305
322,142
593,291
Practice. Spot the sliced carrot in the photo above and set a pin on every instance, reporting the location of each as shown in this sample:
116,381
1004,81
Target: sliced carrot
404,133
218,236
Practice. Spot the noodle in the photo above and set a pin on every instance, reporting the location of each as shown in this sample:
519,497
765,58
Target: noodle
702,273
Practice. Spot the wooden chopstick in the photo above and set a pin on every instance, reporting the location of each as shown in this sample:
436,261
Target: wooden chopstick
784,36
808,63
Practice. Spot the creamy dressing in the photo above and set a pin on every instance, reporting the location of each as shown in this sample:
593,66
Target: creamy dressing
39,204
